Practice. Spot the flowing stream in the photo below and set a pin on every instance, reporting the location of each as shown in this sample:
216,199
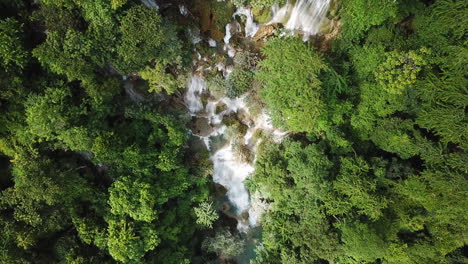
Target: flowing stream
233,152
230,170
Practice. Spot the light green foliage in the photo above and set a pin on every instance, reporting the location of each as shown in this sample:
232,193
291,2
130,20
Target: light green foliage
12,53
47,115
117,3
224,244
399,71
265,3
128,242
146,37
359,15
292,90
159,80
246,60
205,213
134,198
216,85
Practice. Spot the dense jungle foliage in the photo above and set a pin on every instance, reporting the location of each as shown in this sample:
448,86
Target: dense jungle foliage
374,169
379,173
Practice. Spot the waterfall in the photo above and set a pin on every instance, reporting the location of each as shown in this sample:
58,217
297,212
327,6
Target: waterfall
231,173
229,169
250,26
305,16
150,4
132,92
193,95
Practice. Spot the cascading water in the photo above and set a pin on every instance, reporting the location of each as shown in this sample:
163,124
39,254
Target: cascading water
305,16
250,26
193,95
229,170
150,4
223,142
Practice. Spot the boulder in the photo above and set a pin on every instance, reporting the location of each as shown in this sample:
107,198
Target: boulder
201,127
265,31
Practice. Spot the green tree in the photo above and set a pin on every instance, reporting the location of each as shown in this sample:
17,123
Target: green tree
68,55
224,243
360,15
146,37
133,198
205,213
357,187
238,82
12,52
129,241
399,71
291,88
159,80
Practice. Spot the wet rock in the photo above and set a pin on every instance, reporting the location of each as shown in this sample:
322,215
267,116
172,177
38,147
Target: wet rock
220,107
196,146
201,127
245,118
329,33
265,31
245,215
221,190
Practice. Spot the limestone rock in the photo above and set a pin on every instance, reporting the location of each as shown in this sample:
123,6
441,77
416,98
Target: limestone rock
265,31
201,127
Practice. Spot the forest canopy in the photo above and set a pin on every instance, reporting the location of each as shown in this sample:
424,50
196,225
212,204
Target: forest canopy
98,163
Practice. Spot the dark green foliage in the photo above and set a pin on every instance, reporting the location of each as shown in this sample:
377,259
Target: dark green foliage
224,244
238,82
91,176
374,170
12,53
146,37
384,180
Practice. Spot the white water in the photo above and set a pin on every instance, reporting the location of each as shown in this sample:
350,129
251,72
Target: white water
193,96
150,4
305,16
183,10
212,42
230,170
250,26
231,173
